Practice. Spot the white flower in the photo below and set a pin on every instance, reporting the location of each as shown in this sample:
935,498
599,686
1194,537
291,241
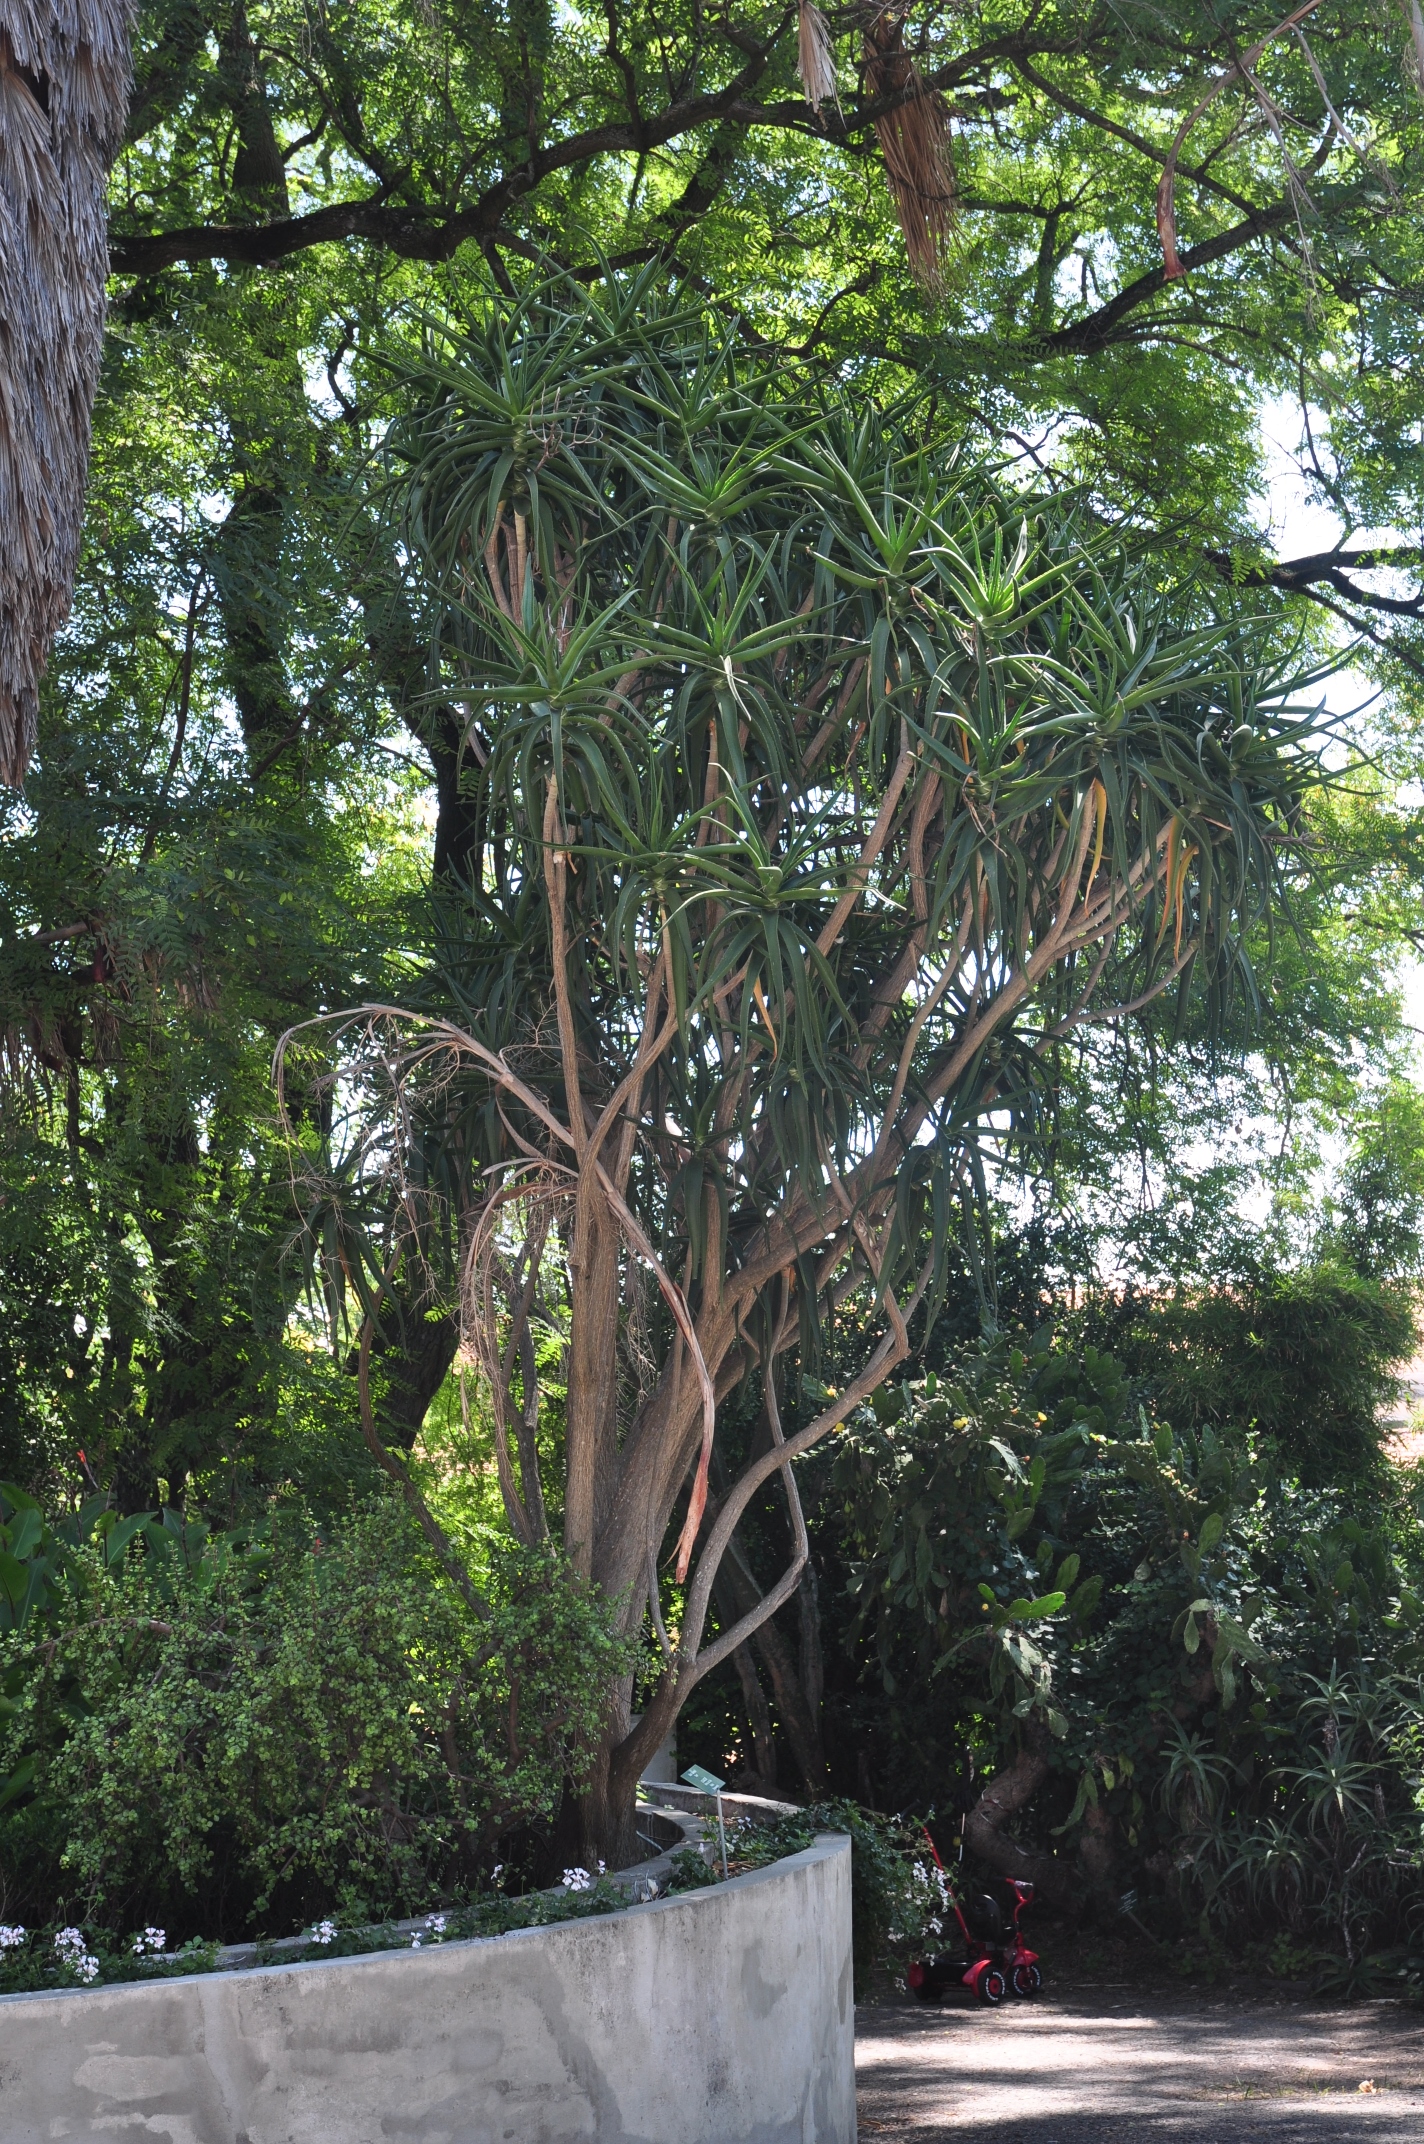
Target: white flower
416,1940
932,1881
324,1932
71,1951
603,1868
435,1922
11,1938
150,1943
577,1880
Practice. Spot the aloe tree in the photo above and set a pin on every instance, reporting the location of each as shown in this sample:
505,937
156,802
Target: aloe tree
823,785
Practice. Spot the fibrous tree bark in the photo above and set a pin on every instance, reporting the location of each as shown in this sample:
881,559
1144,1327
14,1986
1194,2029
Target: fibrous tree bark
64,80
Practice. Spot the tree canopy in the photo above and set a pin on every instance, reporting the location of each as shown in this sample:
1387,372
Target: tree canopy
381,152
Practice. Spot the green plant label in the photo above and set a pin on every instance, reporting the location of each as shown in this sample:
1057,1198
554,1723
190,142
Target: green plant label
705,1782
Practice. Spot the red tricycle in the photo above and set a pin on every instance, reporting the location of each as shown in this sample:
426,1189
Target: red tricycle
996,1956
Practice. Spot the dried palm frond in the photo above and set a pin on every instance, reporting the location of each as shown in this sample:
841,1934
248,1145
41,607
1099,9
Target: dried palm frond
914,141
815,58
64,79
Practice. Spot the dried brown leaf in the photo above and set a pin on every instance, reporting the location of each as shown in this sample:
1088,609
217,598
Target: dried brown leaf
915,143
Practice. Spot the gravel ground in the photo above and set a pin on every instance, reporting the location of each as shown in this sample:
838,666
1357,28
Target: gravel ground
1131,2065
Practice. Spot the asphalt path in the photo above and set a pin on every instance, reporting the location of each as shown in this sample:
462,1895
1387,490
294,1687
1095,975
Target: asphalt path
1124,2064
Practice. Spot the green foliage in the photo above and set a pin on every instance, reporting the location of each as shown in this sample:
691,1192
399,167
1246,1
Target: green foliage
814,776
233,798
249,777
957,1497
46,1958
178,883
1326,1838
700,513
1236,1702
1380,1229
1308,1358
405,150
691,1871
894,1901
1189,1157
42,1959
152,1316
277,1724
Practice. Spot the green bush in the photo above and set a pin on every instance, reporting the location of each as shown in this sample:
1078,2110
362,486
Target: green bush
1212,1675
692,1871
1305,1358
893,1899
216,1734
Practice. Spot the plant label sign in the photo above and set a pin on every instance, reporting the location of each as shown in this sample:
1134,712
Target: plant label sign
705,1782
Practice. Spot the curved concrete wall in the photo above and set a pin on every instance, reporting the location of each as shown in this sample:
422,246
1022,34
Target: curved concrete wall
721,2017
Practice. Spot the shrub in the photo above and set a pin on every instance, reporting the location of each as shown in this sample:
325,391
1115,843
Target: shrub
1141,1656
1306,1358
220,1732
891,1899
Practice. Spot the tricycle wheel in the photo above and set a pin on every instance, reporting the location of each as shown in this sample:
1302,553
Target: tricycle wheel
991,1986
1027,1980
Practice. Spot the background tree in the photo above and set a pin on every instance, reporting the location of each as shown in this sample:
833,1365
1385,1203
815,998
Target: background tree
1141,1656
164,917
237,607
1233,1213
1057,144
253,801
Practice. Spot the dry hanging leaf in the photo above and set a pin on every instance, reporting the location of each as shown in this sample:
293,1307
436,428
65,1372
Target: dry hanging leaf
815,59
914,141
1415,58
1238,71
64,80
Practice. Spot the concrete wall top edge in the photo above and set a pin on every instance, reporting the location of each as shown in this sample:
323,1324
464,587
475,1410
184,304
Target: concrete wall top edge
826,1846
719,2016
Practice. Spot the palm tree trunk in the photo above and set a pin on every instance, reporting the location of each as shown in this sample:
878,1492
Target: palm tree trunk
64,84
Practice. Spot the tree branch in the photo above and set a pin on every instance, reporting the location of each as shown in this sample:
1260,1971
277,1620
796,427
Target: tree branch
421,231
1082,337
1302,576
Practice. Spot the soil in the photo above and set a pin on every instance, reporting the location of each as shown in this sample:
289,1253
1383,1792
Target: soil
1129,2062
